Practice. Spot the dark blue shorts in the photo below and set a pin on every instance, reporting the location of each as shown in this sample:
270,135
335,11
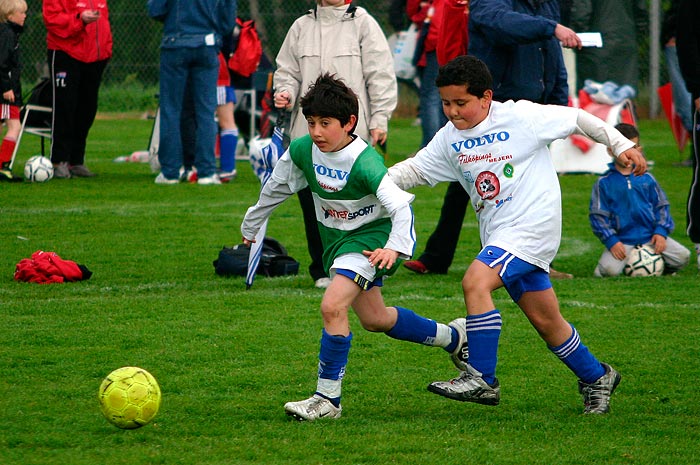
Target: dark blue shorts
518,276
364,283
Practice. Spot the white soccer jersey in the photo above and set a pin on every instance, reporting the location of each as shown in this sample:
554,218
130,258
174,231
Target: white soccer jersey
505,166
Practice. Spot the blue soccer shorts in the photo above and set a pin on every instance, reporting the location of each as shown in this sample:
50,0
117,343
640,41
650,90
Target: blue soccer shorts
224,95
518,276
357,267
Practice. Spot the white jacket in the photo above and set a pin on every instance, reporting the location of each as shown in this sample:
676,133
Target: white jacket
349,44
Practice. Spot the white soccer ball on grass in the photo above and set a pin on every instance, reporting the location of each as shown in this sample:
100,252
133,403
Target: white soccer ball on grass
38,169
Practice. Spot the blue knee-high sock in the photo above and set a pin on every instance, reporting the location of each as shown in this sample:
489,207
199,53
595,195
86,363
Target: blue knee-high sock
413,327
333,357
578,358
483,332
227,146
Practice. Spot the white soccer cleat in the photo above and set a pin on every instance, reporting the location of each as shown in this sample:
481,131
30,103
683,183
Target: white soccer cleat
313,408
469,386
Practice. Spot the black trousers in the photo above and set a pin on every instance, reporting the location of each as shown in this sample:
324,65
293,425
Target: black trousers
313,237
442,243
693,211
75,87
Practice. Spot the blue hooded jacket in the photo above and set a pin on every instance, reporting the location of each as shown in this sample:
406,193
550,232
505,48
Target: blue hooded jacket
628,209
515,38
193,23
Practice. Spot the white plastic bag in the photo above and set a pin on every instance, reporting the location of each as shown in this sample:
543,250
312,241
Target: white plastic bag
404,49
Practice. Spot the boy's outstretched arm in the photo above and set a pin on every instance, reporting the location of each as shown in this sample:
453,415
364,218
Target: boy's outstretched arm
285,180
271,196
402,239
603,133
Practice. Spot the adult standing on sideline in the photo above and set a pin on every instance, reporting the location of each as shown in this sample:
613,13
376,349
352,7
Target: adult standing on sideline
192,33
344,40
620,22
79,43
452,40
688,49
520,41
428,14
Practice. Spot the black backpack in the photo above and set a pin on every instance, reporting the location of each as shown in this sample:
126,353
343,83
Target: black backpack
274,261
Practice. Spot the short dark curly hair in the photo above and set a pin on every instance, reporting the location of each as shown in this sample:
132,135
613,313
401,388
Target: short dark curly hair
466,70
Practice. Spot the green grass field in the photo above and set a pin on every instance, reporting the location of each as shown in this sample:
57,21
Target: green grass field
227,359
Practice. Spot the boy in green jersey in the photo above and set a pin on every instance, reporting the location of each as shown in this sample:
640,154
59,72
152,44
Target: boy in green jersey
366,226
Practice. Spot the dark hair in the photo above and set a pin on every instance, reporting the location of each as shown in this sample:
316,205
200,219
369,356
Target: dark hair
627,130
330,97
466,70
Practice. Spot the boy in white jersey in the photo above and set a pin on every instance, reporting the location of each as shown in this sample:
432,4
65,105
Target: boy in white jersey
498,152
366,226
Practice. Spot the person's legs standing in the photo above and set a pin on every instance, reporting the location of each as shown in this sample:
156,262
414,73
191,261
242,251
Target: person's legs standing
203,78
442,243
313,238
188,129
173,78
681,96
441,246
90,80
65,75
431,114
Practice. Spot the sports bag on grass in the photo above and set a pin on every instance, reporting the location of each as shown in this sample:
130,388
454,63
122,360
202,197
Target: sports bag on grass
233,261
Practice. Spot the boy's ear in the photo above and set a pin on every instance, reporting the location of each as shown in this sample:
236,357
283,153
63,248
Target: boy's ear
351,123
487,98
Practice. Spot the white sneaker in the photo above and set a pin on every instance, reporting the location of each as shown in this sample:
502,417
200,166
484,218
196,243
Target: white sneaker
313,408
460,356
209,180
322,283
161,179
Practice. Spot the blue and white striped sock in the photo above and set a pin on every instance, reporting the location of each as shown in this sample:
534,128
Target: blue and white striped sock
578,358
483,332
415,328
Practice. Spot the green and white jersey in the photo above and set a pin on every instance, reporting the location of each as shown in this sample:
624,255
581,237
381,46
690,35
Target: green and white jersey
358,207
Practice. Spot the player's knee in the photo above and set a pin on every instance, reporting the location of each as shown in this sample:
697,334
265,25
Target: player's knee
332,312
605,271
473,284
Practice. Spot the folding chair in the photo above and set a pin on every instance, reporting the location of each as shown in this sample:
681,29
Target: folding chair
248,103
36,118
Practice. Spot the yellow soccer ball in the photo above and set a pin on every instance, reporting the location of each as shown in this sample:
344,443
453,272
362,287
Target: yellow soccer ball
129,397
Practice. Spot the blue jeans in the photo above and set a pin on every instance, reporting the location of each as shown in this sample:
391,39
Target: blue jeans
199,68
681,96
431,115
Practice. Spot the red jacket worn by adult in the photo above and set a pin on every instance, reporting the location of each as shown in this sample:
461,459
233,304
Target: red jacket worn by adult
453,33
417,11
67,32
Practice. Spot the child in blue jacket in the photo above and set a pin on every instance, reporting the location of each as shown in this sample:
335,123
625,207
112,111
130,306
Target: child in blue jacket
629,210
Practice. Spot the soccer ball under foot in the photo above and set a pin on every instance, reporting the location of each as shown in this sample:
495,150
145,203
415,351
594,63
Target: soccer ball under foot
644,261
38,169
129,397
